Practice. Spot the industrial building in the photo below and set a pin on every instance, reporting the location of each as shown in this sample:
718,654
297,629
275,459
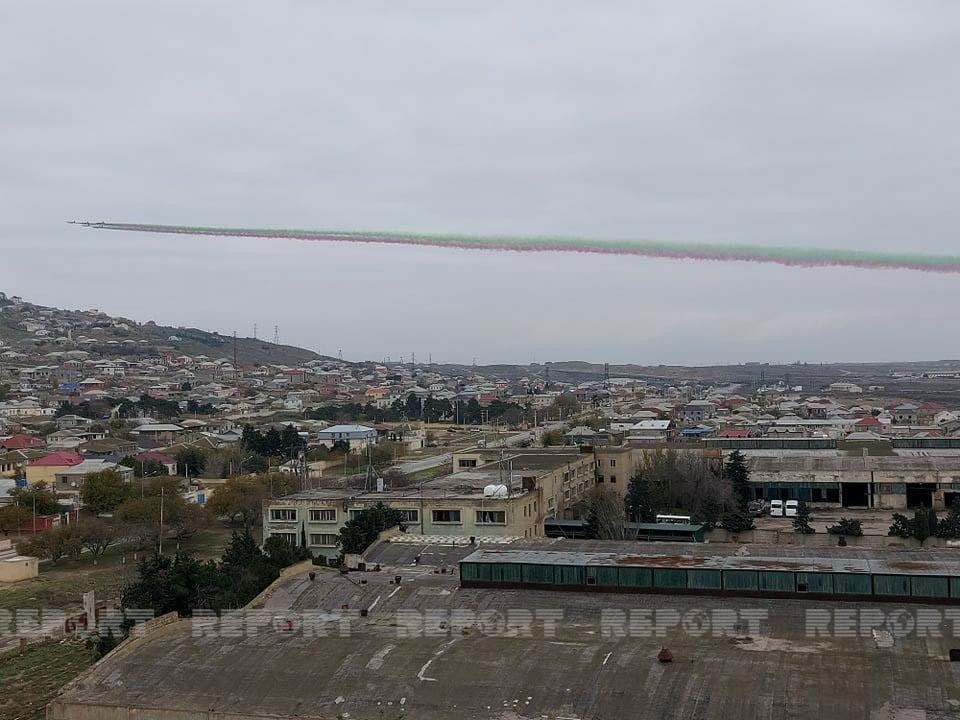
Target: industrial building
882,482
422,648
827,578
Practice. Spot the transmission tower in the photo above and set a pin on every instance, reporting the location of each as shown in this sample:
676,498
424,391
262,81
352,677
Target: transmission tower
276,334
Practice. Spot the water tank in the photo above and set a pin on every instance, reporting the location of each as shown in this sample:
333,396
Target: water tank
500,491
489,490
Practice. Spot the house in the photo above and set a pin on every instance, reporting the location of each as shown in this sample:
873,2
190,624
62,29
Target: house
906,414
21,442
158,433
697,411
169,462
356,436
647,431
73,476
106,447
844,387
45,469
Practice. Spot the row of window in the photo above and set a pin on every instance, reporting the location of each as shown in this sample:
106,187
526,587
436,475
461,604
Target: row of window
483,517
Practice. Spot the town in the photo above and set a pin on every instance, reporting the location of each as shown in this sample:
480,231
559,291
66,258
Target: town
118,437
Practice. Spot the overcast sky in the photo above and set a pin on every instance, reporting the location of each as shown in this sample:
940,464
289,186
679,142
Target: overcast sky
811,124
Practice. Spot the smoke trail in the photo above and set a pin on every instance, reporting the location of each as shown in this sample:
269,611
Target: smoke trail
796,257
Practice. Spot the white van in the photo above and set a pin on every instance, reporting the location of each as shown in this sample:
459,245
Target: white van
790,509
776,508
673,519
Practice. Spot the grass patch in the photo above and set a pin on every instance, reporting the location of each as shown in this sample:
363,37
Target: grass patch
31,680
61,585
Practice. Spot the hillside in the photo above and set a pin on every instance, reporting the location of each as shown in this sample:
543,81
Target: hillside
45,329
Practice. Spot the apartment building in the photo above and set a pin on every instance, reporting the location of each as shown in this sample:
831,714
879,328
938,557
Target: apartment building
538,484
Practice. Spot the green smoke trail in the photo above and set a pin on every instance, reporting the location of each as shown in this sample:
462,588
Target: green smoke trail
791,256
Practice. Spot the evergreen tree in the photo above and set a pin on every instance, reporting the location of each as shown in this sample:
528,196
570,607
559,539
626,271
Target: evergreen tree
949,527
801,523
639,503
737,472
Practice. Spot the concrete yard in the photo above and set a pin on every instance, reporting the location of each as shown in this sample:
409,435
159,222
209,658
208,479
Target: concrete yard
427,648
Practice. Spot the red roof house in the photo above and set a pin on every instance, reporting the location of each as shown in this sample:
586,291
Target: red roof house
21,442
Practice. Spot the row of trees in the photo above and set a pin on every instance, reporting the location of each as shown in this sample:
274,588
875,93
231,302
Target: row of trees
924,524
430,409
184,584
285,443
714,494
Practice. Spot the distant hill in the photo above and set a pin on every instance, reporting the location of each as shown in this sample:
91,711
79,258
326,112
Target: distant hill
105,328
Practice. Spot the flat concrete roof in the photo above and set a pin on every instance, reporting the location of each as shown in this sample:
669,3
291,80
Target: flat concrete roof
730,562
463,669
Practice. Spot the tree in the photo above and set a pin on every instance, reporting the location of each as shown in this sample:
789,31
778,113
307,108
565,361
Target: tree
103,491
290,442
737,472
606,515
239,500
736,520
801,522
145,468
37,496
141,518
639,502
14,517
97,535
921,526
282,554
853,528
385,453
949,527
395,478
565,405
191,461
358,533
54,544
4,392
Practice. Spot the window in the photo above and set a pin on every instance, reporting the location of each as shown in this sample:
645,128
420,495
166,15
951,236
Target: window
491,517
323,539
446,516
410,516
355,513
290,538
613,463
283,514
467,463
323,516
613,478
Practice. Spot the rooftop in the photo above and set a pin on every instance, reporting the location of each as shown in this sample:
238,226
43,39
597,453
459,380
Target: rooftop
474,666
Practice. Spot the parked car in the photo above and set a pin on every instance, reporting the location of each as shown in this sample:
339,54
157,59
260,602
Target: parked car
758,508
790,509
776,508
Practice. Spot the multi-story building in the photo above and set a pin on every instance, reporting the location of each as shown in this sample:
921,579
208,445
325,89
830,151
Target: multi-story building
531,486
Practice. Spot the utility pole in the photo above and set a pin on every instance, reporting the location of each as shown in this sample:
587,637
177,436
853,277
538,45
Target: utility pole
235,352
161,521
254,331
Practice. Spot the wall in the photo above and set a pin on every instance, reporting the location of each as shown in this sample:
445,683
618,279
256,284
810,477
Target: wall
18,569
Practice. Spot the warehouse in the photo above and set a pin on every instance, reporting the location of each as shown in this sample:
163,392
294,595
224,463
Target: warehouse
827,578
